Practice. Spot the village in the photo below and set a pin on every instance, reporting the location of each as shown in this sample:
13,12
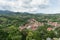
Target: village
34,25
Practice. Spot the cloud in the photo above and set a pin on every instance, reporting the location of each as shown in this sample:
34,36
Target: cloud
23,5
39,2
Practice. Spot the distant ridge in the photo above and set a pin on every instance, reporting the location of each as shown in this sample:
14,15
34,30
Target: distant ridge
10,12
5,11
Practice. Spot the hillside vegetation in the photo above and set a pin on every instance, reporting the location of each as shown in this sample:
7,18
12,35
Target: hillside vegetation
10,23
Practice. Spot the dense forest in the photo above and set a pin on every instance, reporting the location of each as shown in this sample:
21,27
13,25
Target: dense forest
10,23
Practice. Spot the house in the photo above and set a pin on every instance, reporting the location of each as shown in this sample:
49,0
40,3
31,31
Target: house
49,29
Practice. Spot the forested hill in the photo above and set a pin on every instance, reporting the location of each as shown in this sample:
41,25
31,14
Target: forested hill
10,22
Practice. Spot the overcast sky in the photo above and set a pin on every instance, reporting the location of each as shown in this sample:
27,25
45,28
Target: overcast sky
37,6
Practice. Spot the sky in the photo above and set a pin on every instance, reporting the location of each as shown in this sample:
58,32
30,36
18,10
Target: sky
34,6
